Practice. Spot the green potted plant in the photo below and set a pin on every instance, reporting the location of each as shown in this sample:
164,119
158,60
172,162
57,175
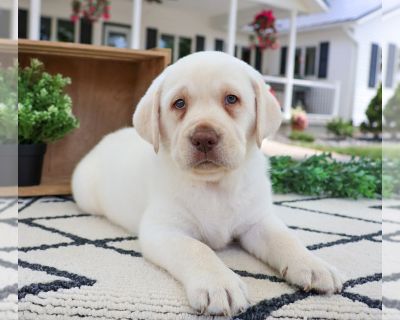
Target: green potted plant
8,126
44,115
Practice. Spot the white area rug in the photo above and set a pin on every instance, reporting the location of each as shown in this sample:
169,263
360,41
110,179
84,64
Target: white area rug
73,265
8,259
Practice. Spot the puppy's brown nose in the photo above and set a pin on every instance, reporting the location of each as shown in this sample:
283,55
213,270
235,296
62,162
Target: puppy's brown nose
204,139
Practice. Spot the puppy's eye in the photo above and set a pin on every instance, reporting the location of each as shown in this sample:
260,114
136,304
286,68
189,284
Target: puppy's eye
231,99
179,104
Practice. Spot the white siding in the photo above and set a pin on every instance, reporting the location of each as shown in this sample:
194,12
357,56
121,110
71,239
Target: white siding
366,34
342,51
390,36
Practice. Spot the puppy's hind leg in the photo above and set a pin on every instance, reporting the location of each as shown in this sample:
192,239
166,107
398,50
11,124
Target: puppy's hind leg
84,184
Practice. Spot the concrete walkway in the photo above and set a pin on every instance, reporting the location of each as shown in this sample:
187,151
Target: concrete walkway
274,148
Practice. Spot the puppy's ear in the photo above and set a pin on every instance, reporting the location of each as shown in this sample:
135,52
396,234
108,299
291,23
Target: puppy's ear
146,118
268,111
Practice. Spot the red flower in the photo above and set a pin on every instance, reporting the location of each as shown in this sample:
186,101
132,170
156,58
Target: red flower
74,18
264,27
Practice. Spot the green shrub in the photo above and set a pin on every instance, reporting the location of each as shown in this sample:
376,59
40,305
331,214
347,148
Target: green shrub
8,105
340,128
391,178
44,110
373,123
391,112
321,175
301,136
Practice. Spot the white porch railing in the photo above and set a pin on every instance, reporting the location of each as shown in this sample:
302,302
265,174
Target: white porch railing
320,99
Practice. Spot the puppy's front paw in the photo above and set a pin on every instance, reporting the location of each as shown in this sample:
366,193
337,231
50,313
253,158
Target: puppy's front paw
311,273
218,293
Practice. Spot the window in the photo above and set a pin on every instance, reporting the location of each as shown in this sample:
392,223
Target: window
45,28
167,41
200,43
116,35
236,51
323,60
391,65
219,45
311,53
151,38
86,31
5,23
65,30
22,24
258,62
373,66
246,54
297,62
185,46
282,69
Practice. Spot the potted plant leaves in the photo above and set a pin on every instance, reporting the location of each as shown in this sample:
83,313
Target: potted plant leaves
44,115
8,126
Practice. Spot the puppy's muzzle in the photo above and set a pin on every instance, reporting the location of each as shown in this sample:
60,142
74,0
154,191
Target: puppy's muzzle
204,139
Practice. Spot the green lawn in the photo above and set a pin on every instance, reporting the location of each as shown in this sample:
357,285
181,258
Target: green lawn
373,152
370,151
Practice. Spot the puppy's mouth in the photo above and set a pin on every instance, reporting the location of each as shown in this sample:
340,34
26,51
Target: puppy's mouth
205,161
206,165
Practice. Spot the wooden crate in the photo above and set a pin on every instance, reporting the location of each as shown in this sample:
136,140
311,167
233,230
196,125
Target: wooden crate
107,83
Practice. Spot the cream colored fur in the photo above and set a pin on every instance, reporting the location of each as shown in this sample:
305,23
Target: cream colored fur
148,181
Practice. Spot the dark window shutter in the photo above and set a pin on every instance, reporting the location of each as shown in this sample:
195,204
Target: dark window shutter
297,62
258,62
282,69
45,28
65,30
151,38
86,31
22,24
185,46
310,61
391,65
200,43
373,66
219,45
246,53
323,59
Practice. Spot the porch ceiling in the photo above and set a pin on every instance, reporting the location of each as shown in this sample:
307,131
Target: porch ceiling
218,11
212,8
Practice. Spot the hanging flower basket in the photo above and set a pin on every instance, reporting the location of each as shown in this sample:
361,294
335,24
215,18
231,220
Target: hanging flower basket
91,10
264,27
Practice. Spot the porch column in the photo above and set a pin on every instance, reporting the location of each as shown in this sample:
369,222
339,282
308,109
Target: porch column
14,20
290,66
136,24
34,19
232,27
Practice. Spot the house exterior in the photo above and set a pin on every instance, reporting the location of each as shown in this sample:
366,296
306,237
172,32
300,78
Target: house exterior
328,60
352,44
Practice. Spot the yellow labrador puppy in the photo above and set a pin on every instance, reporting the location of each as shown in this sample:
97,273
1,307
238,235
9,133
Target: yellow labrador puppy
190,178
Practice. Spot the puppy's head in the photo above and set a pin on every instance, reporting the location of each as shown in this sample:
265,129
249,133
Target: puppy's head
206,112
